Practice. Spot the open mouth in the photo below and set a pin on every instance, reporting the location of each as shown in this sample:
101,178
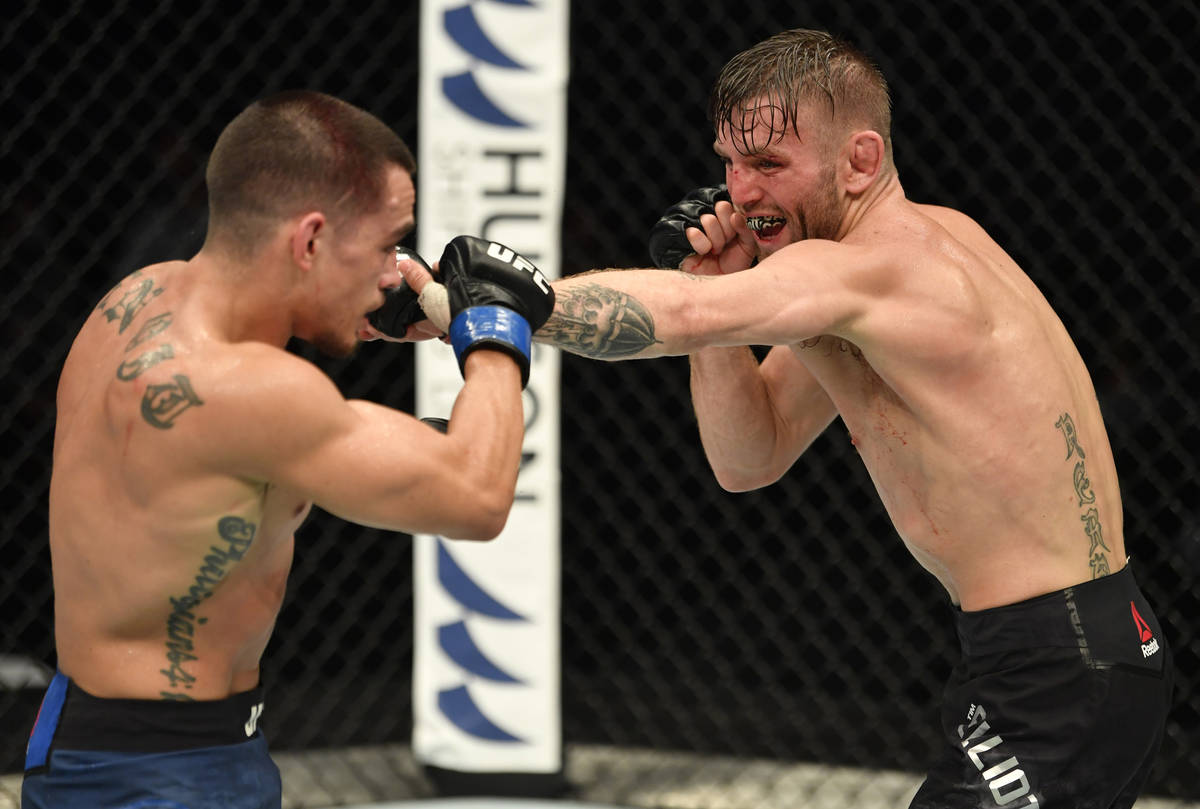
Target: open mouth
766,226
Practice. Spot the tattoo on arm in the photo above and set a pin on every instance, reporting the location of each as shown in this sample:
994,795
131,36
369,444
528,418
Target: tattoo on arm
599,322
1087,498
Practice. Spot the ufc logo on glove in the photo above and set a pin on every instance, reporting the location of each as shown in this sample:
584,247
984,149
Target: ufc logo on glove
499,251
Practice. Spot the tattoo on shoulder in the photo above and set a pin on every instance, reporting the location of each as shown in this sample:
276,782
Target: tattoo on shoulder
235,536
596,321
131,303
1086,498
149,330
162,404
131,369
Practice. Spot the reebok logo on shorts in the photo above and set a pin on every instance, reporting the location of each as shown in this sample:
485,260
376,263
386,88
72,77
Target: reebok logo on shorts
1145,635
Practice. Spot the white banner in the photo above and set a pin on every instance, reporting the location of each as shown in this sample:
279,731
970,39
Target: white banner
491,163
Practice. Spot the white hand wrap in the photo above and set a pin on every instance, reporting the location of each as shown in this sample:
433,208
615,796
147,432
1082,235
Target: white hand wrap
436,305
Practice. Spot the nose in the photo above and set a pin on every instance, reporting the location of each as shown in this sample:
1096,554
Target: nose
391,279
744,192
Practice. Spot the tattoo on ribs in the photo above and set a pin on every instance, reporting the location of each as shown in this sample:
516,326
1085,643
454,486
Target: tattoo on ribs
596,321
236,535
1086,499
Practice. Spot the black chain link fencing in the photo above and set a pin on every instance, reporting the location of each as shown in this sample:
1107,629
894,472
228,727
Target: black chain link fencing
787,623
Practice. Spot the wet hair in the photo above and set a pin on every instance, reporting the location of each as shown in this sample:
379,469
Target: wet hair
297,151
782,76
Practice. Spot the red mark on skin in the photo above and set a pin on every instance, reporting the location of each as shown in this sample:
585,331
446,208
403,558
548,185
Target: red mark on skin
887,429
932,525
918,500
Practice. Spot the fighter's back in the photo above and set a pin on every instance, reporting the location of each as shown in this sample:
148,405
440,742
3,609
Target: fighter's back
168,570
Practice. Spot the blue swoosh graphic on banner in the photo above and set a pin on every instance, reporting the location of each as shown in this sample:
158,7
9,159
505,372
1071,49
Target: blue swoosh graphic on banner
466,592
464,92
456,704
463,28
462,89
458,644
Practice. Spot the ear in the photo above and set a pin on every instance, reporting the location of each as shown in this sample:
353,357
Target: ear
865,160
306,238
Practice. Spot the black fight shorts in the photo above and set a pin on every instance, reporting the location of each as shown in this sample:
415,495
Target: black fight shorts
1059,702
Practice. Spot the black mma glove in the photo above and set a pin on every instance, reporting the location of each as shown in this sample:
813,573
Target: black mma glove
668,240
498,299
439,424
400,307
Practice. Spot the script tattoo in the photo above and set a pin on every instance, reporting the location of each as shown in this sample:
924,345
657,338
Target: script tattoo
1097,559
599,322
132,302
1067,425
130,369
162,404
149,330
236,536
1083,486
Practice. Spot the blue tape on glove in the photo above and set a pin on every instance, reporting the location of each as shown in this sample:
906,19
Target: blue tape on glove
491,324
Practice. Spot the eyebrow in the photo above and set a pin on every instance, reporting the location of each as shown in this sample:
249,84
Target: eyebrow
401,232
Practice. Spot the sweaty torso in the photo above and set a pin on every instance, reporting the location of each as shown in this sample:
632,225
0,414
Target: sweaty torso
169,569
976,418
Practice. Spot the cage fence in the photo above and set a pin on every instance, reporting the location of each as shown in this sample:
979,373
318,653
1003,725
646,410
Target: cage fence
718,649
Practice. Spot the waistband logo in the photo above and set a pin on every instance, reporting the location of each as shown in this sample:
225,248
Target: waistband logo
1145,635
252,722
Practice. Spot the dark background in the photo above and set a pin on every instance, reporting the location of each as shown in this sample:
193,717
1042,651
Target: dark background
786,623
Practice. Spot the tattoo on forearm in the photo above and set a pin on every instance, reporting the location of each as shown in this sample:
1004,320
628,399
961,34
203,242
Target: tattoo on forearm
1087,498
600,322
236,535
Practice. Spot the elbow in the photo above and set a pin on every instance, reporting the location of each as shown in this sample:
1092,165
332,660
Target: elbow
743,480
488,526
484,516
